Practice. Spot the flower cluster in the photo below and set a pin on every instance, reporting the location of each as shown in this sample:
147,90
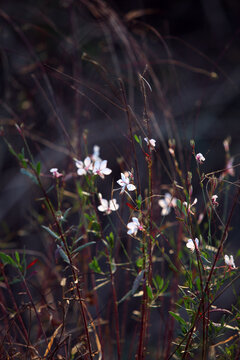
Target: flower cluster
229,261
107,206
93,165
192,245
134,226
151,143
124,182
55,173
167,203
200,158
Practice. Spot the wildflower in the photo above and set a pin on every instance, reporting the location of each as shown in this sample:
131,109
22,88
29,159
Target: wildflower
55,173
188,206
100,168
226,143
229,168
166,203
200,158
84,167
134,226
151,143
192,245
214,200
229,261
124,182
96,152
107,206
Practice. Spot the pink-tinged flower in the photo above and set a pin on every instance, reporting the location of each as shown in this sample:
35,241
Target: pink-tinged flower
226,143
124,182
107,206
200,158
151,143
134,226
84,167
229,168
214,200
229,261
188,206
167,203
100,168
96,153
192,245
55,173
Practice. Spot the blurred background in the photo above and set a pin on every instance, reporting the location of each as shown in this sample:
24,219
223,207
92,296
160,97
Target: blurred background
66,69
60,65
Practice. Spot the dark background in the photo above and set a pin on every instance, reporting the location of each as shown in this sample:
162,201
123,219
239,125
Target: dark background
182,41
51,89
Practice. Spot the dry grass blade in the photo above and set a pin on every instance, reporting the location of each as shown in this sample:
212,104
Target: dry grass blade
52,339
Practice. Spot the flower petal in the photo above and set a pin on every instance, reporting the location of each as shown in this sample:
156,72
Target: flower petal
87,161
165,211
103,165
162,203
79,164
81,172
113,205
106,171
131,187
121,183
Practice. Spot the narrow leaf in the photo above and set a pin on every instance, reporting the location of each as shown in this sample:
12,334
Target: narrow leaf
63,255
30,175
177,317
6,259
79,248
52,233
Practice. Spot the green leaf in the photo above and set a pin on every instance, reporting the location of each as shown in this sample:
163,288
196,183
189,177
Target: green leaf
66,213
149,292
52,233
30,175
17,257
136,138
38,168
139,201
63,254
139,263
178,317
7,260
110,240
181,207
94,265
160,282
79,248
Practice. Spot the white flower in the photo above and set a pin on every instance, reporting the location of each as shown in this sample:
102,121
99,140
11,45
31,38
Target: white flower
166,203
134,226
100,168
124,182
84,167
214,200
191,245
200,158
151,143
188,206
55,173
229,261
96,152
107,206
